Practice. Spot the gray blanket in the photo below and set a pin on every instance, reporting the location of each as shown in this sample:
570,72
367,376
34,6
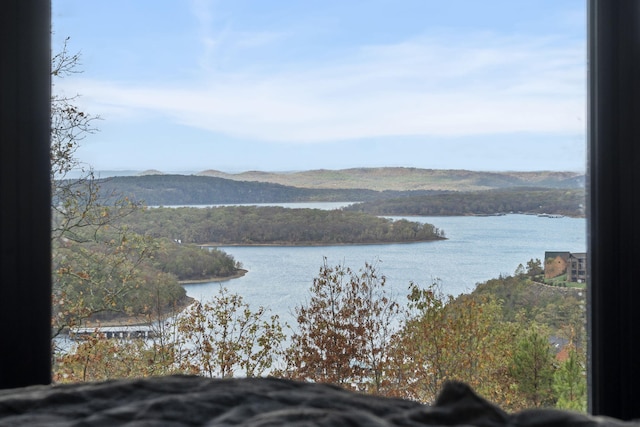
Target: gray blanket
195,401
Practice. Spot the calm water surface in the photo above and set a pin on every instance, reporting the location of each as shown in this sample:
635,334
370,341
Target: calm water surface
477,249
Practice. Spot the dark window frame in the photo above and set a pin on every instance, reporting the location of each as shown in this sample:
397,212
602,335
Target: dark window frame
613,190
25,193
614,199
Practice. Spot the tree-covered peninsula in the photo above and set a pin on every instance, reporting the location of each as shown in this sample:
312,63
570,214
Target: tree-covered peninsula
569,202
272,225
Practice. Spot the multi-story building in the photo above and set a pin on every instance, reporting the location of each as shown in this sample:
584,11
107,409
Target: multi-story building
577,268
574,265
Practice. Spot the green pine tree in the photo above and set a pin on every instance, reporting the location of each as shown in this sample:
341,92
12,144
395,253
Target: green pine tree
570,383
533,368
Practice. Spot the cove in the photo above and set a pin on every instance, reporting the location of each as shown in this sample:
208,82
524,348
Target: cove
477,249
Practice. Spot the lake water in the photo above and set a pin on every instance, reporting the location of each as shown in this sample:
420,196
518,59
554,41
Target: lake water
477,249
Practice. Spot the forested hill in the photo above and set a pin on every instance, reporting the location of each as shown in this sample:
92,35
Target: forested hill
570,202
402,179
164,190
362,184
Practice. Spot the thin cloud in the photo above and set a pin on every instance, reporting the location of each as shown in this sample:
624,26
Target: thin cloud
432,86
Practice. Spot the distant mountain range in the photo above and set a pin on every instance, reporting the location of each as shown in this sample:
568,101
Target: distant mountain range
362,184
405,179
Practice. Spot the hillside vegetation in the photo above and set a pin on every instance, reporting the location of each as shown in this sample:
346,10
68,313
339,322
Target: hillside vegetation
561,310
125,275
404,179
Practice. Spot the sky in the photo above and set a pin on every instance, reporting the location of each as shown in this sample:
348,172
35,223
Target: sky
286,85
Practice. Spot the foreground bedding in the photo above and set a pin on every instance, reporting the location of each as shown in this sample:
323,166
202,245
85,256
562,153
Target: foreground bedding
196,401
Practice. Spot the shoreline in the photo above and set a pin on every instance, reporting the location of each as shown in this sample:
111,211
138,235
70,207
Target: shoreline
311,244
239,273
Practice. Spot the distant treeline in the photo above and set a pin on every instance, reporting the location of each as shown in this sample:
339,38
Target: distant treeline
569,202
251,225
165,190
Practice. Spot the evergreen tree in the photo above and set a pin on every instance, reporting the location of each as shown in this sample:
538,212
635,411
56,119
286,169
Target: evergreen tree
570,383
534,267
533,368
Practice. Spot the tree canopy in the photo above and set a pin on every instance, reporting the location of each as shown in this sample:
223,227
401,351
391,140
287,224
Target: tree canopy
273,225
570,202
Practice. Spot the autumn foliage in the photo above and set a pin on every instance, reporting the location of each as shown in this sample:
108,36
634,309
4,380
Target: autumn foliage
353,332
344,331
223,338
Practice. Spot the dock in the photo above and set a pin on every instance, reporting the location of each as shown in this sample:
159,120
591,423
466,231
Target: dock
120,332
